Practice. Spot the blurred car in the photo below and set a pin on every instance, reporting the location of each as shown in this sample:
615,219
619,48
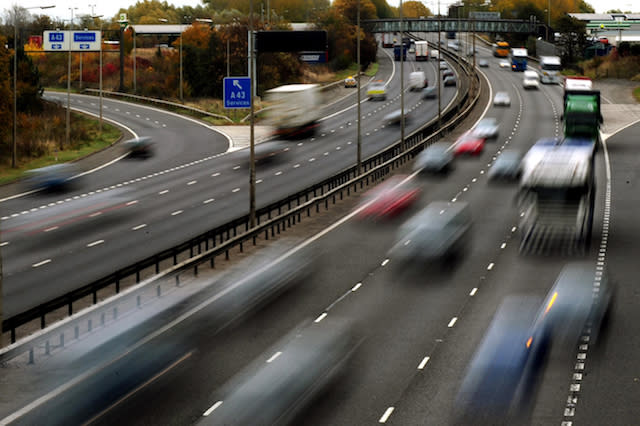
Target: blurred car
447,73
487,128
58,177
575,302
436,158
430,92
142,146
468,144
454,45
417,80
471,51
269,151
443,65
377,90
507,166
350,82
389,199
394,117
449,81
531,80
501,99
299,367
434,54
483,63
504,64
439,232
503,369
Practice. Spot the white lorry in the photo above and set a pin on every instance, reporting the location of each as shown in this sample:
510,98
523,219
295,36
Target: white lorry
531,80
417,80
422,50
550,67
294,109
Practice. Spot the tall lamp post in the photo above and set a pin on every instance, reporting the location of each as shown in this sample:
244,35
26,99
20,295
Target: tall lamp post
68,131
99,17
15,81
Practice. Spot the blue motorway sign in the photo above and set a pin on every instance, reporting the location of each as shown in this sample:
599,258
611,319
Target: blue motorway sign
84,37
237,92
75,41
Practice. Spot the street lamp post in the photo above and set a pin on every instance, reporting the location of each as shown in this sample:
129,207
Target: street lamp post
100,72
548,18
359,138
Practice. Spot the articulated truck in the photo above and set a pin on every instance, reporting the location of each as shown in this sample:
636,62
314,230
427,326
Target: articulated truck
582,114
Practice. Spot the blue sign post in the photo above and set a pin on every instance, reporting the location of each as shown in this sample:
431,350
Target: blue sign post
237,92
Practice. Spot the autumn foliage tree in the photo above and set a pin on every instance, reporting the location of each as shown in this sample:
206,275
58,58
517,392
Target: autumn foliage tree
415,9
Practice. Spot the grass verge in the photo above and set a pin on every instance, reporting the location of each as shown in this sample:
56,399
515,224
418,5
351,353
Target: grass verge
636,94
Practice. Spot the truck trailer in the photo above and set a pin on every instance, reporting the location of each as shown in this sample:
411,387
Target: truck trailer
519,59
422,50
582,115
295,109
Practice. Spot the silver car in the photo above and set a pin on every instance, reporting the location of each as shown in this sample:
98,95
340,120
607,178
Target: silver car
437,158
487,128
502,99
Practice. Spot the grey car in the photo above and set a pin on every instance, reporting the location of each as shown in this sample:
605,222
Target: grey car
449,81
502,99
430,92
507,166
487,128
483,63
437,158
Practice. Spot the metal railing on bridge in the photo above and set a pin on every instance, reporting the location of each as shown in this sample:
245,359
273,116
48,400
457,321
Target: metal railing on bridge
432,24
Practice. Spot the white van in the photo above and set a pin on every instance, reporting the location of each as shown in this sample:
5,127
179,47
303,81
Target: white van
531,80
417,80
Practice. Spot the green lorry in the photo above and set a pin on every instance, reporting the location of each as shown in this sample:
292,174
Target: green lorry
582,114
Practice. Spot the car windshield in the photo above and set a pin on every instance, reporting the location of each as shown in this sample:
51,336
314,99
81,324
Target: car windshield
376,86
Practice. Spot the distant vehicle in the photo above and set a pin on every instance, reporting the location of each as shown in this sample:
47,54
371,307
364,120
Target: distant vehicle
142,146
487,128
471,51
295,109
443,64
454,45
502,99
389,199
435,54
422,50
449,81
504,63
519,59
377,90
417,80
451,35
430,92
506,167
503,369
308,361
387,40
582,115
441,231
436,158
483,63
270,151
550,67
531,80
350,82
399,50
501,49
58,177
447,73
468,144
395,117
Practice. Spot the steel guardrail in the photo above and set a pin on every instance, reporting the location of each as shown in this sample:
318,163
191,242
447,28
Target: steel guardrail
221,239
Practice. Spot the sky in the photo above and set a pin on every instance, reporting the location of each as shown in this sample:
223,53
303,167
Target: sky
111,7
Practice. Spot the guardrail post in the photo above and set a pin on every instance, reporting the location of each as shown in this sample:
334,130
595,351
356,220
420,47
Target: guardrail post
195,270
226,254
177,280
70,310
241,248
138,301
76,331
137,275
62,340
158,290
117,285
89,325
47,348
115,313
102,319
42,321
31,361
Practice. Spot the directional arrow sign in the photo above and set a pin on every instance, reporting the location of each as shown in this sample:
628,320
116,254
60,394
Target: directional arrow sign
237,92
80,41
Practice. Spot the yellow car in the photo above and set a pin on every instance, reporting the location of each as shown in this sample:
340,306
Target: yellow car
377,90
350,82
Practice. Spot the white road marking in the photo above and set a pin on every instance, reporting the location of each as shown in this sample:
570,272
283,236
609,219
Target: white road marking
321,317
53,228
384,262
295,166
424,362
95,214
490,266
208,201
213,407
236,167
130,203
215,174
177,212
473,291
236,190
386,415
4,243
95,243
259,181
356,287
192,182
274,356
503,245
135,228
278,173
452,322
44,262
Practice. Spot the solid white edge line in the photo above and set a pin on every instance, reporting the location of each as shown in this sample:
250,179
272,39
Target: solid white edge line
473,291
44,262
213,407
356,287
321,317
95,243
386,415
273,357
452,322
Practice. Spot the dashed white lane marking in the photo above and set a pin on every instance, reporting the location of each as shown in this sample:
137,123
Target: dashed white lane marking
135,228
321,317
235,190
273,357
236,167
215,174
452,322
130,203
503,245
312,160
177,212
210,200
490,266
53,228
424,362
356,287
95,243
259,181
44,262
95,214
473,291
384,262
295,166
193,182
278,173
4,243
386,415
213,407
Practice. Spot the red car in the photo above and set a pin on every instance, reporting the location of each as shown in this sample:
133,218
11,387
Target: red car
389,199
469,144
